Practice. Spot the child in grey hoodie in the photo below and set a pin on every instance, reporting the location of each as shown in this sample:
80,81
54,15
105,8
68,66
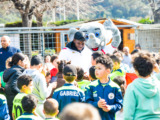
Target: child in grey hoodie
40,90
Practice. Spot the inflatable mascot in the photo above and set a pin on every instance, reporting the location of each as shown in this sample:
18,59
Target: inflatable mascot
99,37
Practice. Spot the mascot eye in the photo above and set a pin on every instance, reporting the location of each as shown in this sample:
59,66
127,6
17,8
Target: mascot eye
97,34
87,36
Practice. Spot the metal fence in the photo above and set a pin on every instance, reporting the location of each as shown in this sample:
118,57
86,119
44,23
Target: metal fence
50,40
148,38
37,40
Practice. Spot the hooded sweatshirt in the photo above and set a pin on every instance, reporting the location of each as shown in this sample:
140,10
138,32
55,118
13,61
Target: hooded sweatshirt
40,89
78,58
142,100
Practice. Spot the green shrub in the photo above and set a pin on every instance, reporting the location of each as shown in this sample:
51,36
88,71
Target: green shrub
19,24
146,21
58,23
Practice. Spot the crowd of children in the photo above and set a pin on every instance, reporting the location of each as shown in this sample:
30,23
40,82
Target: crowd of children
59,90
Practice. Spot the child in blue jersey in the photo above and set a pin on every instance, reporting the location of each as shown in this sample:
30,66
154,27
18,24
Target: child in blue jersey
4,112
25,84
103,93
51,109
68,93
29,104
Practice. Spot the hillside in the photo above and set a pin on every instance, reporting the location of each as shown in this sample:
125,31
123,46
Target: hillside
127,9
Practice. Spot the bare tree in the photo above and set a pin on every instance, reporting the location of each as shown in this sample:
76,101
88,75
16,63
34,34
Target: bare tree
155,7
41,7
28,8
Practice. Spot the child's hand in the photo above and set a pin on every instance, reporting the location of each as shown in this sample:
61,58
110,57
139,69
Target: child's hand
106,108
101,103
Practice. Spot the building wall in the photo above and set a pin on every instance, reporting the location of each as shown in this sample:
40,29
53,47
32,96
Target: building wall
129,39
149,39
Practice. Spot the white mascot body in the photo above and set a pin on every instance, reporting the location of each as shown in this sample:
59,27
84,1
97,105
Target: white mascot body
98,36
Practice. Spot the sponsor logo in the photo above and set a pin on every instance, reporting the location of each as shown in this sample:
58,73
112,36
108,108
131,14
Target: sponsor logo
95,94
111,96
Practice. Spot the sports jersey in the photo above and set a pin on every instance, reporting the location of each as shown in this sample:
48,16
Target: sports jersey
82,84
4,113
116,73
68,93
28,116
110,91
17,105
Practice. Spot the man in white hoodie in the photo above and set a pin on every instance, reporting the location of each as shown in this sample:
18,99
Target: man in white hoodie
77,52
40,90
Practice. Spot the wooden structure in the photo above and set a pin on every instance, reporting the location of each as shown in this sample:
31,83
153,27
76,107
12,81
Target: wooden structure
127,29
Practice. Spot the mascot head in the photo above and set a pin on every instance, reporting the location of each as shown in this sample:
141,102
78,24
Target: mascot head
97,35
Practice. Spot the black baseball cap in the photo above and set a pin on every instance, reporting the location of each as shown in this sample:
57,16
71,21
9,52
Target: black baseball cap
70,70
79,36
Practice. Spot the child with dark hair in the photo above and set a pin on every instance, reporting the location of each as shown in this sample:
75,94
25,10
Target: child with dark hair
40,90
51,109
29,104
10,77
142,97
92,75
68,93
95,55
81,83
121,82
103,93
25,85
117,71
54,70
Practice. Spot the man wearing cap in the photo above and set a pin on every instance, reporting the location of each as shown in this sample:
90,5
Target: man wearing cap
76,52
6,51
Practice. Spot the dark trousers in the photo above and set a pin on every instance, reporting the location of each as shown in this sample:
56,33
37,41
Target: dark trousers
10,111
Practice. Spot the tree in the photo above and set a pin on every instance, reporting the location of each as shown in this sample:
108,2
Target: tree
155,7
28,8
